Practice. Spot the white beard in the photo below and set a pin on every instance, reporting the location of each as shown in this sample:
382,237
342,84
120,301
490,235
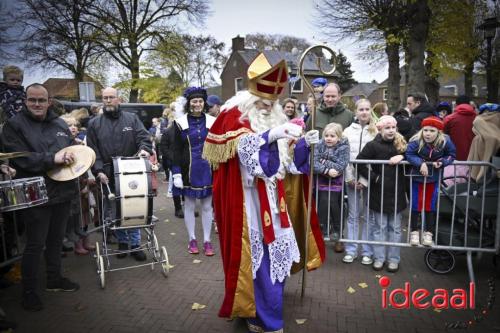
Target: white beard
262,121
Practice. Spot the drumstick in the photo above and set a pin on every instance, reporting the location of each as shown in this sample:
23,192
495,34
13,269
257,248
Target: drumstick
111,196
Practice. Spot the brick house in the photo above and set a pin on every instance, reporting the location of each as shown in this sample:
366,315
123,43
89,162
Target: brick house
234,73
451,86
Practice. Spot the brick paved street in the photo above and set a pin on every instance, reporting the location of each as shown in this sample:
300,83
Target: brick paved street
141,300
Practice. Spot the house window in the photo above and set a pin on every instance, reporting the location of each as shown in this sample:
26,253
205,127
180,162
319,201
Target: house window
295,84
238,84
454,87
475,90
384,94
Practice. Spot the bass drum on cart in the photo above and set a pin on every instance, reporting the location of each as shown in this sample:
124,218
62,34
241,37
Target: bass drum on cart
133,190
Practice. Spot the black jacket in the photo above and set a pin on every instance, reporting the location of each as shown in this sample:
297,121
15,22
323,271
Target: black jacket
110,137
421,112
43,139
404,124
379,149
166,146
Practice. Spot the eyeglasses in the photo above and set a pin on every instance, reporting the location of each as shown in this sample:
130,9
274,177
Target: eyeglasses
37,100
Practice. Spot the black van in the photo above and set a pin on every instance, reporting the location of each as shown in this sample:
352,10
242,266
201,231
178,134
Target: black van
145,112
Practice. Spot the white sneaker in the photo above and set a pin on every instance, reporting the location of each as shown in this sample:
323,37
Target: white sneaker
393,267
169,194
427,239
348,258
415,238
378,265
366,260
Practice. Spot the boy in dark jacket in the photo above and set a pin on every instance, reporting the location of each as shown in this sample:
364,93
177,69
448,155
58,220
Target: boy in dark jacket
11,92
386,191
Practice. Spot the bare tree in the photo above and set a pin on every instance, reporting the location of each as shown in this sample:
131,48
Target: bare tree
56,35
372,23
419,15
261,42
127,28
194,58
7,42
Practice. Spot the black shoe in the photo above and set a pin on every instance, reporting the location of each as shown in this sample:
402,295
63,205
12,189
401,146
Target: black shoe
6,325
196,214
63,284
111,238
67,248
122,247
179,213
138,255
31,301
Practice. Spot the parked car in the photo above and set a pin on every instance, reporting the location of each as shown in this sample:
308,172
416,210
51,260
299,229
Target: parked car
145,112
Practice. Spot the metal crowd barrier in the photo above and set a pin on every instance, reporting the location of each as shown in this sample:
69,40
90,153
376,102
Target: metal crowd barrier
467,212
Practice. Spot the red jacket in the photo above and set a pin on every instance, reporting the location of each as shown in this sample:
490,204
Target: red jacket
458,126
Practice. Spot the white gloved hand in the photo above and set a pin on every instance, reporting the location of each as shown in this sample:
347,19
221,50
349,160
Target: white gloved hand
312,137
285,131
178,180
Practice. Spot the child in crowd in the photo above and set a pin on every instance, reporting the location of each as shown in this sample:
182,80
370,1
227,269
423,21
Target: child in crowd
428,145
359,133
387,191
331,156
80,209
12,93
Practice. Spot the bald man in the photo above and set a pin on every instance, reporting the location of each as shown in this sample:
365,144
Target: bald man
117,133
332,110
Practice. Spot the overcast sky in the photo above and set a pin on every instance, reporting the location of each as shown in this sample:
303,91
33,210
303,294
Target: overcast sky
240,17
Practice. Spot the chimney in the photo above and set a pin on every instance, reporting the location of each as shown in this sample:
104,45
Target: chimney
238,43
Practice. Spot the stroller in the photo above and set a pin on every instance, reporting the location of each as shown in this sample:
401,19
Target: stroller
468,220
133,201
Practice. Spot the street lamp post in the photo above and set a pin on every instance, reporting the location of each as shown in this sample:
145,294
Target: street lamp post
489,27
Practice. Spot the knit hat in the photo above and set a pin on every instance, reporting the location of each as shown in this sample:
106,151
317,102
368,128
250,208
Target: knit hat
319,82
386,120
434,122
213,100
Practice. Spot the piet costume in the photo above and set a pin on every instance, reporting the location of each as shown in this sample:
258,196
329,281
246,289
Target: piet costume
190,133
260,205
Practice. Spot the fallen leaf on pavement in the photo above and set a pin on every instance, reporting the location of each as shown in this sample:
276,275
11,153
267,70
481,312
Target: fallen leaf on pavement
196,261
363,285
437,310
172,233
197,306
351,290
166,220
378,276
300,321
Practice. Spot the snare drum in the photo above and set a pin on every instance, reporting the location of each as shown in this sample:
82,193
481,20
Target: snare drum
133,190
22,193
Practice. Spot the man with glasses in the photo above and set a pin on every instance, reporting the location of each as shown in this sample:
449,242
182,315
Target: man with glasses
38,130
117,133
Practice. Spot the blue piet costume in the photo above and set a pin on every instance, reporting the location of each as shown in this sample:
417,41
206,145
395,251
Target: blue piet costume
190,134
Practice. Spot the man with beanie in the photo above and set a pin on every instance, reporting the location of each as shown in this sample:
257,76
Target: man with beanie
214,103
117,133
458,126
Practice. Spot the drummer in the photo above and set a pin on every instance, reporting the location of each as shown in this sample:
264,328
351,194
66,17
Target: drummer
117,133
38,130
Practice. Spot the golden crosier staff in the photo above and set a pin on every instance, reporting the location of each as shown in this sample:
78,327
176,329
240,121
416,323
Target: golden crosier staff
311,155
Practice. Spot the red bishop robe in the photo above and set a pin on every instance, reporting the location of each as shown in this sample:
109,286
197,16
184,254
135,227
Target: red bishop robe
220,150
